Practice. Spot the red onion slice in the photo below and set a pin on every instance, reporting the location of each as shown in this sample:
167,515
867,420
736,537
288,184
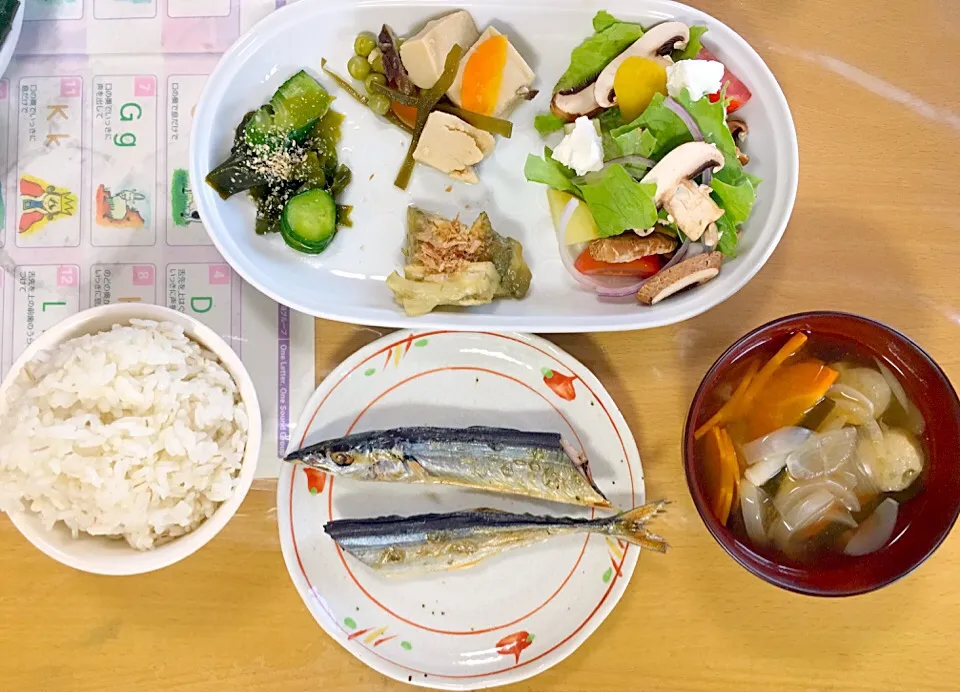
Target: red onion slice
685,116
609,286
691,124
565,217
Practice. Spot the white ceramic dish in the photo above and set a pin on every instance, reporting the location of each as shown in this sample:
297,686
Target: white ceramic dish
459,630
10,44
114,557
346,282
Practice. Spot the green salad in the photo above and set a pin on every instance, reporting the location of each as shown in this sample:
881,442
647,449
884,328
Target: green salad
647,187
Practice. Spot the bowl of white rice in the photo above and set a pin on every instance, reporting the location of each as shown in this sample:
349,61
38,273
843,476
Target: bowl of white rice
129,436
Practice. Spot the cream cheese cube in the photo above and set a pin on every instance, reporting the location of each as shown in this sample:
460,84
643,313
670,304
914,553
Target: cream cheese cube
517,76
424,54
453,146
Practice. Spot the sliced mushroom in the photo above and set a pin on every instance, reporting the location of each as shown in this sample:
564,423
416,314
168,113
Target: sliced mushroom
692,208
738,128
629,247
683,163
711,236
656,44
690,272
571,105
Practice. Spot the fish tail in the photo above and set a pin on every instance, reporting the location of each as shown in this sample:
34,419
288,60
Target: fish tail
630,526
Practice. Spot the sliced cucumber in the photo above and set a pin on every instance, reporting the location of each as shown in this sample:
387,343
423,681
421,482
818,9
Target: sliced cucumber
259,126
298,104
309,221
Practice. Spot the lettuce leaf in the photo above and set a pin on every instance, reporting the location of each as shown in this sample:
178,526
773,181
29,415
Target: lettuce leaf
711,118
665,127
603,20
638,142
618,202
550,172
728,236
737,200
694,45
589,58
547,123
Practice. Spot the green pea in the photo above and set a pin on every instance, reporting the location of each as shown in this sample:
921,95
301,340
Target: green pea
377,62
358,67
364,43
372,78
379,104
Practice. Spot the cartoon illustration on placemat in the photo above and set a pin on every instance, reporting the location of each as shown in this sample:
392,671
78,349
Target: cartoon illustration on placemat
182,206
121,209
42,203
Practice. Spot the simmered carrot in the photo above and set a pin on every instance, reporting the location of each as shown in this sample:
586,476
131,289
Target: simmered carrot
731,476
789,394
714,475
729,410
407,114
730,459
721,473
794,344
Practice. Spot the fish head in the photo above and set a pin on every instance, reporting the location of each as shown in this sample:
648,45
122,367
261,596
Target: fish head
338,457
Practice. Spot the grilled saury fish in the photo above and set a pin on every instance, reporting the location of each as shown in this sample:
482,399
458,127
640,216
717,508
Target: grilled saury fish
534,464
430,542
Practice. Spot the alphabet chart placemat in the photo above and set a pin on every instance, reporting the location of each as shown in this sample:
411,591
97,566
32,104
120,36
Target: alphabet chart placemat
96,204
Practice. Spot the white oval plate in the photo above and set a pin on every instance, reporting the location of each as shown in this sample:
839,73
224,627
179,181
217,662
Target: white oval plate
511,616
346,281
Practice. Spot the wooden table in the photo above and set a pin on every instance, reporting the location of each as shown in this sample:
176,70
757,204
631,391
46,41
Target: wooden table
874,90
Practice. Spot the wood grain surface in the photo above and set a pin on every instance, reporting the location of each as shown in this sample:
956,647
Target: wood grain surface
875,93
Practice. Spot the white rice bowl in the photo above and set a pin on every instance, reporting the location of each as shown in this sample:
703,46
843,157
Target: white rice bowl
136,433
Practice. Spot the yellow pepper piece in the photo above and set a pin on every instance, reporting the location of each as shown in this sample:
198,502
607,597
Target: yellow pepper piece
635,83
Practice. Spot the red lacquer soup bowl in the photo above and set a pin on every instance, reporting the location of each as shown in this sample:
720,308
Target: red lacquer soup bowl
923,521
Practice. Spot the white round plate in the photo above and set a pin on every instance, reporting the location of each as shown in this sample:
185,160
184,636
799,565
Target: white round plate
511,616
346,282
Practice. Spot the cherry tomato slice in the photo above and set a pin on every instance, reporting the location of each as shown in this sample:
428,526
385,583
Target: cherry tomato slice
737,91
641,268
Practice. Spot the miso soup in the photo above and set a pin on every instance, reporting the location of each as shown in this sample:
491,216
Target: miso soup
811,447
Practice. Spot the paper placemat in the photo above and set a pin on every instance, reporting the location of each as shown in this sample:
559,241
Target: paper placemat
96,202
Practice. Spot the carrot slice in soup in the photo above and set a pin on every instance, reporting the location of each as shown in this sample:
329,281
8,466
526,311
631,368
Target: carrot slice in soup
788,395
719,476
794,344
731,471
730,409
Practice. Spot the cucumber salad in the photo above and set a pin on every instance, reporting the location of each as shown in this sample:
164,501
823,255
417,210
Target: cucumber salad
284,154
647,187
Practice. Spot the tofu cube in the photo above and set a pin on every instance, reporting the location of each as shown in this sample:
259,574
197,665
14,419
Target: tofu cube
517,76
453,146
424,54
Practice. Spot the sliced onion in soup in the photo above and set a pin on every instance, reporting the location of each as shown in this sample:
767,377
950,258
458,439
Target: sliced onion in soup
778,443
915,422
822,454
763,471
852,400
755,507
875,530
871,384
